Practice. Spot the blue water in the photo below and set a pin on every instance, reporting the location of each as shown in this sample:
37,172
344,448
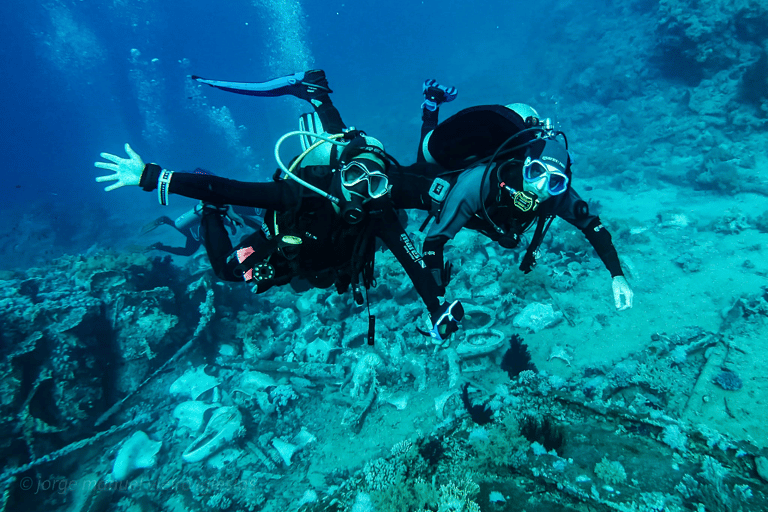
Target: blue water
73,88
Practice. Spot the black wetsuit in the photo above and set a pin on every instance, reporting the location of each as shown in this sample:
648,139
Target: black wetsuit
466,137
332,251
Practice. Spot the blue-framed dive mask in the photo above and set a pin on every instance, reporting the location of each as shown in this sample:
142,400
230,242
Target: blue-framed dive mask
535,170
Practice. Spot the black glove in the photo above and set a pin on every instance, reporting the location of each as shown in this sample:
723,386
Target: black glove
445,321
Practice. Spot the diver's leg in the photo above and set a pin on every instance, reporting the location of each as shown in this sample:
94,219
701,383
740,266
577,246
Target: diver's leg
311,86
434,95
191,246
188,250
304,84
329,115
217,242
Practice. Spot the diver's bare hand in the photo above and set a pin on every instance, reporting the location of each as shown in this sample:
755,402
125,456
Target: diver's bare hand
127,171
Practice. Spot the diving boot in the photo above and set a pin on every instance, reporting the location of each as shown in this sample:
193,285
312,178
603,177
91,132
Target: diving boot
436,94
306,85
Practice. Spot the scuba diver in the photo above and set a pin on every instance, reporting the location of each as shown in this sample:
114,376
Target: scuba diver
188,225
498,170
323,213
494,169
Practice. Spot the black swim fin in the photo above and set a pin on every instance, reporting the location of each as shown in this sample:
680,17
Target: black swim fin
156,224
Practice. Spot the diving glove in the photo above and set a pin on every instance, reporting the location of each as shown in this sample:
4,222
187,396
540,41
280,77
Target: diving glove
621,290
445,321
126,171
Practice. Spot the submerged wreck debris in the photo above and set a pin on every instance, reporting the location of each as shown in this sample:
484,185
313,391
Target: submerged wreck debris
618,436
571,475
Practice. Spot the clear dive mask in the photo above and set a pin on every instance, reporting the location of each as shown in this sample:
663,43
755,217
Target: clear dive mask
556,180
356,172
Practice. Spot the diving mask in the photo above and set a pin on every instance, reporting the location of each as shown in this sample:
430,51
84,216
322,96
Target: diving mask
356,172
556,181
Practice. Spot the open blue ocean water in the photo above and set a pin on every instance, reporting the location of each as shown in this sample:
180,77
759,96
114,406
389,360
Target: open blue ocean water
83,78
133,380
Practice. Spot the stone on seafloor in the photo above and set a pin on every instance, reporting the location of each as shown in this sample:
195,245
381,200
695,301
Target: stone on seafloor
318,351
227,350
191,414
537,316
761,465
138,452
225,424
254,381
194,383
496,497
365,372
454,366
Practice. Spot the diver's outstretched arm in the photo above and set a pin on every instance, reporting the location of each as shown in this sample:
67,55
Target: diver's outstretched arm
601,240
273,195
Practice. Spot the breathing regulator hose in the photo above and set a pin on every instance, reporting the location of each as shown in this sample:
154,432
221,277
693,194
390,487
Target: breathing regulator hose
333,139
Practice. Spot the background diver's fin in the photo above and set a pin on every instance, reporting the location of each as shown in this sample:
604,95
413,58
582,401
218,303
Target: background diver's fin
156,224
309,122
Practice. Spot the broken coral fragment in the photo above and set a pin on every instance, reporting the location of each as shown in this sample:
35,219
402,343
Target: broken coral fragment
225,425
194,383
191,414
137,452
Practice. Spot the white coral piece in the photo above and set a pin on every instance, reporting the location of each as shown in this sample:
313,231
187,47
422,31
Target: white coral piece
136,453
191,414
562,352
286,450
225,424
194,383
254,381
365,373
